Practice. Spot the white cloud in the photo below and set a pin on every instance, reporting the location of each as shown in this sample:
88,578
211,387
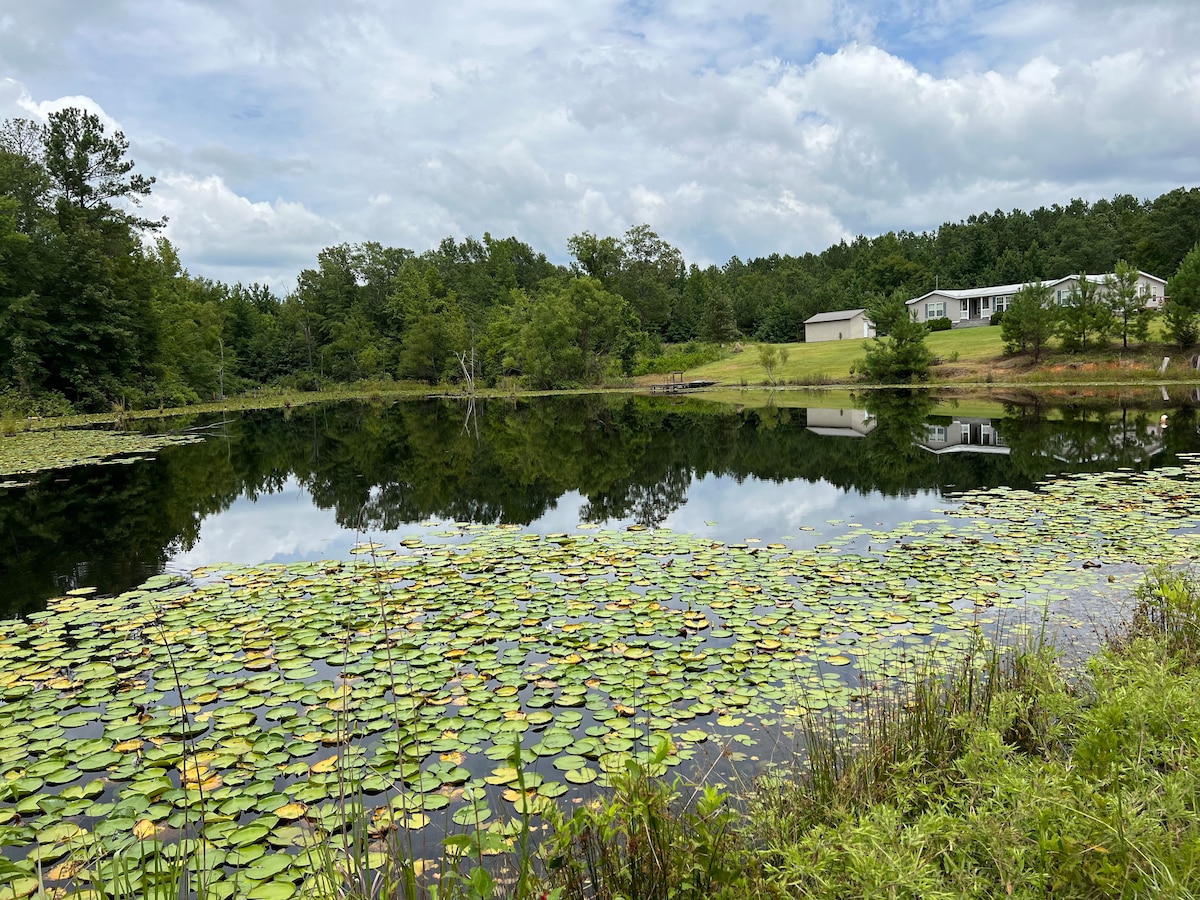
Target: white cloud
759,127
284,525
16,102
221,233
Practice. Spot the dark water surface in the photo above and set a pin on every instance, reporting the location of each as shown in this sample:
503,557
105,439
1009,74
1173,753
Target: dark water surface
308,483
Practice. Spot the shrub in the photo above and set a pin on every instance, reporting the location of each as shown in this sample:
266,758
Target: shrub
46,404
301,381
678,358
942,324
998,317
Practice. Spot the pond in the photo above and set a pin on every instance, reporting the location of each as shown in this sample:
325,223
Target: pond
277,486
391,601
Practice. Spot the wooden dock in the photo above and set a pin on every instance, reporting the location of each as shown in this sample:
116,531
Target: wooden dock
676,385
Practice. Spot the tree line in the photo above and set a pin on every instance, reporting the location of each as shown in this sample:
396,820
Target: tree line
96,307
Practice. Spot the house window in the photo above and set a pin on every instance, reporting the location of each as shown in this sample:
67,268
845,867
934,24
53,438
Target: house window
935,310
1002,303
1063,296
985,304
937,434
964,307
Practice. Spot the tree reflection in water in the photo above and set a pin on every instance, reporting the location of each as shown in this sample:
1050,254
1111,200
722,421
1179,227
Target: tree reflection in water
380,467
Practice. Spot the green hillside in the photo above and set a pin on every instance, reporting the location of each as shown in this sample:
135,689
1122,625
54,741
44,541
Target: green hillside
963,356
830,361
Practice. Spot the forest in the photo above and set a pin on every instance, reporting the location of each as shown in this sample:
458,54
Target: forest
97,309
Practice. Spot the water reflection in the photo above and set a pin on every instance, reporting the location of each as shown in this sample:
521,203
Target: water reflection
840,422
964,435
307,483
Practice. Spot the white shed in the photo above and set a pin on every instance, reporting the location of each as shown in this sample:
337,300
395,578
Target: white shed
843,325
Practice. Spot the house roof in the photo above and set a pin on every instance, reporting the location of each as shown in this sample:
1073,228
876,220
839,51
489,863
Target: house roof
837,316
972,292
1002,289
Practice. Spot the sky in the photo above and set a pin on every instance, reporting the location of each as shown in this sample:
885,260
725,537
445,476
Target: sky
287,525
275,128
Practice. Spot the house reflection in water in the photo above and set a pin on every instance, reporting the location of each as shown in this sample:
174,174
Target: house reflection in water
840,422
1130,440
964,436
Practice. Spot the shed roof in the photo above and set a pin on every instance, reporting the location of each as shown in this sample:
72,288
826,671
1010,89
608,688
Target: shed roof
837,316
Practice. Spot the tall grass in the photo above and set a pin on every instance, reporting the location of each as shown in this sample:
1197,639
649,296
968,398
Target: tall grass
903,734
641,842
1010,779
379,854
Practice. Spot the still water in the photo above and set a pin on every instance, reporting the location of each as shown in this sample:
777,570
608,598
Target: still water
309,483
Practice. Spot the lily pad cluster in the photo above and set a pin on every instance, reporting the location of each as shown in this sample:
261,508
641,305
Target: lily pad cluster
246,713
30,452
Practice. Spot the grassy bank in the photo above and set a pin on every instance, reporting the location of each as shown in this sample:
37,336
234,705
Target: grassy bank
1013,779
280,398
963,356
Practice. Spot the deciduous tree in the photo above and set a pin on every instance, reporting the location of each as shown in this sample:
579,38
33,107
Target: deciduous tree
573,333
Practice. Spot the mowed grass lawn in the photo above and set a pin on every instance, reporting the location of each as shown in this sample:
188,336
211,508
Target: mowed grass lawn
830,361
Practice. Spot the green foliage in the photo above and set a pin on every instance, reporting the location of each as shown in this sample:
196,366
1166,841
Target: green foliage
23,176
435,329
1168,611
1182,324
599,258
1131,318
75,302
89,169
573,334
899,354
1085,320
887,312
647,272
709,294
638,844
651,278
1167,230
1182,312
678,358
1030,320
770,357
942,324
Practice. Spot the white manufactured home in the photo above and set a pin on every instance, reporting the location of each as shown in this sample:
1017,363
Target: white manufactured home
975,306
838,326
